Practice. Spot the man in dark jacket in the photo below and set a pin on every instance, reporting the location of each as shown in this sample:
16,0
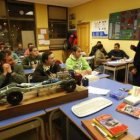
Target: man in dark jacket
136,70
47,69
116,53
10,72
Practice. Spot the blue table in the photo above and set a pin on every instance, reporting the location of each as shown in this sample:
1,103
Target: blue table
17,125
133,123
28,71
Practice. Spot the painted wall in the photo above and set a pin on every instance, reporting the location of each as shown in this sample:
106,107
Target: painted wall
100,9
42,22
41,17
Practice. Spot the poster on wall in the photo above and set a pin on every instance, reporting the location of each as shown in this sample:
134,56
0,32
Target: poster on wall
125,25
100,29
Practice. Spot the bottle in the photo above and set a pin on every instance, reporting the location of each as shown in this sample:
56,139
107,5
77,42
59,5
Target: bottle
85,82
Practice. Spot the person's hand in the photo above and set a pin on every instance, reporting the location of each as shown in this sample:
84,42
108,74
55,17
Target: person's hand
6,68
89,72
132,47
53,75
85,72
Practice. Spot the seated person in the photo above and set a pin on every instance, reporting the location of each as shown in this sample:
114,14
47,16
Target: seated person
117,53
31,61
14,55
27,52
20,51
47,69
95,48
10,72
78,63
100,58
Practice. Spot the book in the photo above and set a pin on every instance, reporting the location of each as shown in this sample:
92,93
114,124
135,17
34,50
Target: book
110,125
95,134
129,109
118,94
132,100
135,91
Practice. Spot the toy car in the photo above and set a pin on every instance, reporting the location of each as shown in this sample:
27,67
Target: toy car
13,93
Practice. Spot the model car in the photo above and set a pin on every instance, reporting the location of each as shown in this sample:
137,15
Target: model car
13,93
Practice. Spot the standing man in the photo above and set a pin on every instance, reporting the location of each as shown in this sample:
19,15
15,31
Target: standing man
136,70
10,72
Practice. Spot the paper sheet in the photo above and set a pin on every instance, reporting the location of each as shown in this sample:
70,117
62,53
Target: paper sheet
99,91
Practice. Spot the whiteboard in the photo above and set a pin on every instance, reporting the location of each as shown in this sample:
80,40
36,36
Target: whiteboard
27,37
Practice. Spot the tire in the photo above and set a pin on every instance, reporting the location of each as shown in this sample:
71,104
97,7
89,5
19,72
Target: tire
14,98
70,85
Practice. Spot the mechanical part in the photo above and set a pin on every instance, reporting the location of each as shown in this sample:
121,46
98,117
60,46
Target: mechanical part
14,98
14,92
69,85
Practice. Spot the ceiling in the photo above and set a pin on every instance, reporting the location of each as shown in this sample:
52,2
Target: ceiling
65,3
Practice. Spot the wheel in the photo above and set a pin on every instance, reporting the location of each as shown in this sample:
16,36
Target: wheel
14,98
69,85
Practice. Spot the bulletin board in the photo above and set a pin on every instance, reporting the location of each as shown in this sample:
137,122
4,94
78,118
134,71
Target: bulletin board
100,28
124,25
43,37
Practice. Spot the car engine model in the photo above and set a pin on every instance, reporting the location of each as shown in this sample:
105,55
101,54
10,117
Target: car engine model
13,93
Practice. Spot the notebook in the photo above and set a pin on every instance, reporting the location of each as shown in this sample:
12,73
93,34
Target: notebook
129,109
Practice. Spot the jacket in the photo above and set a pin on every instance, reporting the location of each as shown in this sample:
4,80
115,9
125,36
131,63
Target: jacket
17,77
118,54
137,55
29,61
77,64
40,74
99,58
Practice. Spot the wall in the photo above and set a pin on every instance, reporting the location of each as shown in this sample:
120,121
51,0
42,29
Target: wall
100,9
42,22
41,17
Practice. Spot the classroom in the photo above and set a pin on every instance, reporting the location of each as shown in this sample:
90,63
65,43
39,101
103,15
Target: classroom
69,70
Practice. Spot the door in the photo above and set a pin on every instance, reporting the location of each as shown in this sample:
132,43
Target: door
83,32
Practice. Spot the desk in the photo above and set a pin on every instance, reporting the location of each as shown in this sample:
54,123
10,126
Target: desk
23,123
90,59
115,67
28,71
133,124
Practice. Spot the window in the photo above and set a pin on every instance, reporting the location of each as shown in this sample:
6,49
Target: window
18,18
58,25
57,29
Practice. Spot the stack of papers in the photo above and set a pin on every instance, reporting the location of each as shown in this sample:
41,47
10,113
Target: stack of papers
132,100
95,73
98,91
